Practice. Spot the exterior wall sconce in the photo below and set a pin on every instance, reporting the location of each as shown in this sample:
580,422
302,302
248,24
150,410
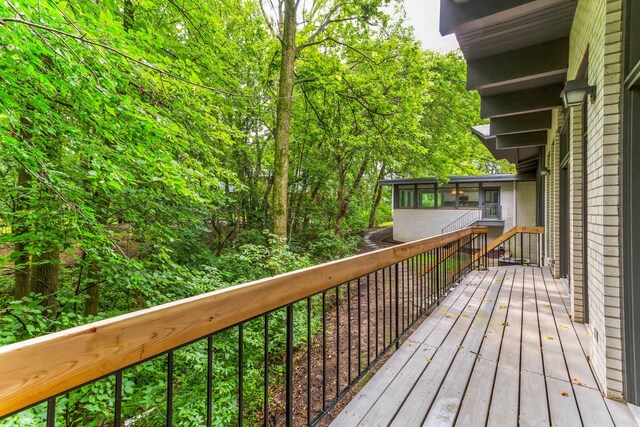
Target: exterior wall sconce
575,91
544,172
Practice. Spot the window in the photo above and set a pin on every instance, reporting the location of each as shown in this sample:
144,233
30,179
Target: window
447,196
406,196
469,195
426,196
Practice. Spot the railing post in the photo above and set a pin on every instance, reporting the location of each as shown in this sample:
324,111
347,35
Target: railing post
521,248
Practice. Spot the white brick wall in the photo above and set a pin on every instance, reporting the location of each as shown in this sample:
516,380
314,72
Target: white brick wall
414,224
525,203
576,214
596,29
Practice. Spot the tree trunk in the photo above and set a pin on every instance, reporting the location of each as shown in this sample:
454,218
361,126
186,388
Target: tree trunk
283,121
342,202
344,198
22,268
377,197
45,276
93,290
94,274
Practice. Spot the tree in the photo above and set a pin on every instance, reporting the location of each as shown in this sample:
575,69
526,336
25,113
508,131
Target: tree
319,17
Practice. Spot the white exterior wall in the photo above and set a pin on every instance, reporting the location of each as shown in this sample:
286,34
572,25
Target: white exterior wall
525,203
518,208
575,214
415,224
596,29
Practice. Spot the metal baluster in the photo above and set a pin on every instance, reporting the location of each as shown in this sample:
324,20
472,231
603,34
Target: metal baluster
240,375
459,269
368,321
437,263
349,328
117,411
397,303
265,402
324,351
289,368
51,412
377,315
486,255
170,388
308,360
209,381
384,310
414,288
359,329
337,334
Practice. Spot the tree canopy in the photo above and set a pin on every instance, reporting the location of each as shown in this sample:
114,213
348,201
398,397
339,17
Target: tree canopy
141,135
153,150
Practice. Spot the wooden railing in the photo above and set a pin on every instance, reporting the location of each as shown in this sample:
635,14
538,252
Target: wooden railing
519,246
402,284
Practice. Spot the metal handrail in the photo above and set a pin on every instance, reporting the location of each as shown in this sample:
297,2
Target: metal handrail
463,221
489,212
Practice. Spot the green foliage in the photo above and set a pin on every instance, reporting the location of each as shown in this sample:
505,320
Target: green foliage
136,168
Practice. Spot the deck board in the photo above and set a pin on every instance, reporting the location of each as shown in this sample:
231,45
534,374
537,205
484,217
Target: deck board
500,350
475,404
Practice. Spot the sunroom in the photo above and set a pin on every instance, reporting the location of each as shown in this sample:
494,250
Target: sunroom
425,207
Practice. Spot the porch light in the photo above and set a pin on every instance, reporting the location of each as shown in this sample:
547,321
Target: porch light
544,171
575,91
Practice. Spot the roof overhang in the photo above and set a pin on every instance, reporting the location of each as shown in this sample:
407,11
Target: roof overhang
472,179
517,53
527,122
525,156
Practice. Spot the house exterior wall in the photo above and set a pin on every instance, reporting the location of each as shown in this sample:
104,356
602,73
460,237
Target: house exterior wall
518,201
552,219
415,224
597,29
525,203
576,216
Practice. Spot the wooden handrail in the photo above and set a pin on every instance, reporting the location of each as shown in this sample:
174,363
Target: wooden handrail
506,236
36,369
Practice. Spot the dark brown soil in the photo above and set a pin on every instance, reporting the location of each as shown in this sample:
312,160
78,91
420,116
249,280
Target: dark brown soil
357,348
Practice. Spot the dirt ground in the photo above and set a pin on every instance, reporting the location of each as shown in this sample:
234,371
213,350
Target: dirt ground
365,345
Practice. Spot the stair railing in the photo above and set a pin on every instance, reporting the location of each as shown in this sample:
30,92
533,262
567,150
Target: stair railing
464,221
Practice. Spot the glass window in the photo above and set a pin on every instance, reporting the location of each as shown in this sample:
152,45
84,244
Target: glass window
469,195
447,196
426,196
406,196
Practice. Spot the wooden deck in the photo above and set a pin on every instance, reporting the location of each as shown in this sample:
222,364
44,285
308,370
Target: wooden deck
500,350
